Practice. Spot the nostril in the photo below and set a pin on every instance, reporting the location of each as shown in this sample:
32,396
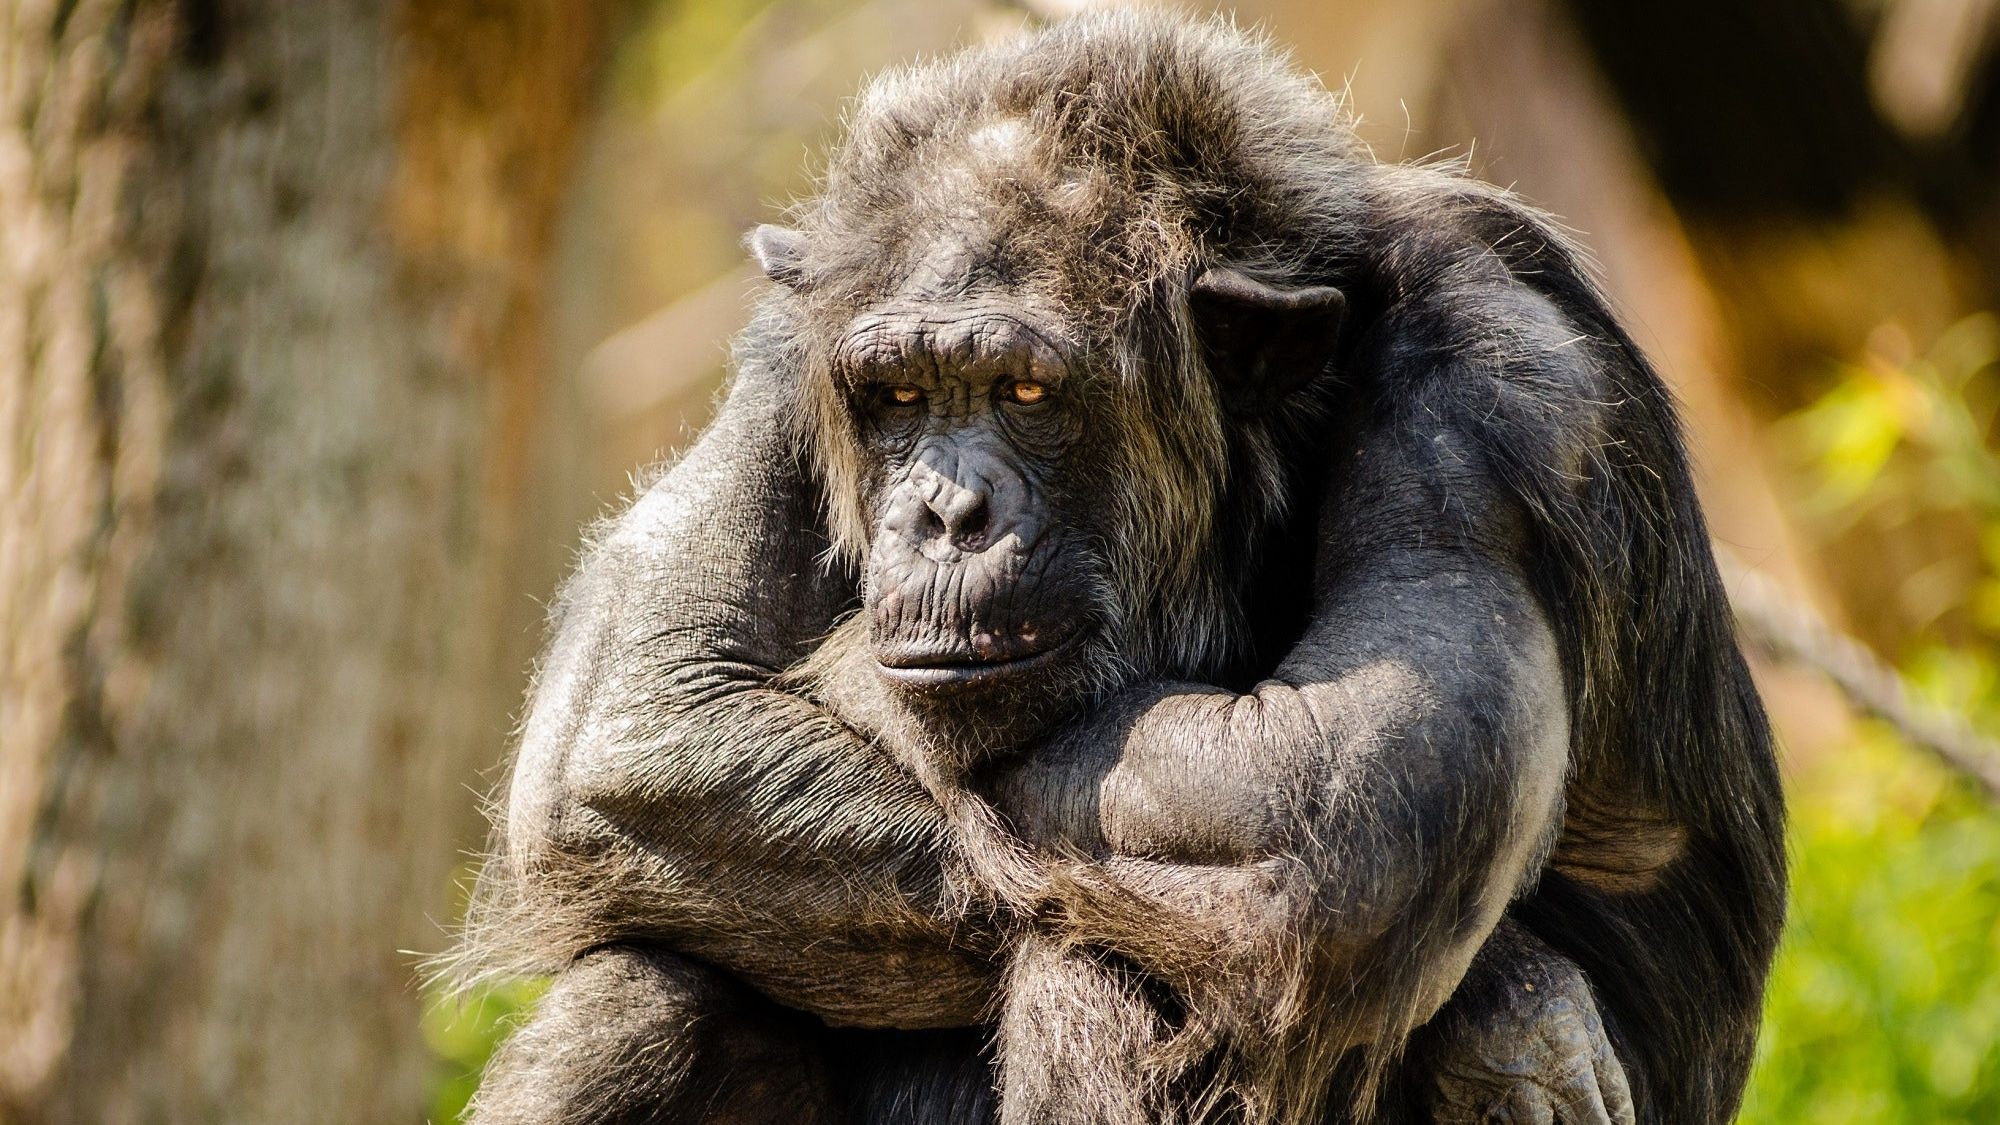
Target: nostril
960,517
969,530
930,525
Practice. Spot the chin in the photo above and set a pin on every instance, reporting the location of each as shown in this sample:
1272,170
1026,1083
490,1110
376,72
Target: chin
974,711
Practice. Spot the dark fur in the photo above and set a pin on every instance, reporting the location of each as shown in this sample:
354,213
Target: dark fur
1481,509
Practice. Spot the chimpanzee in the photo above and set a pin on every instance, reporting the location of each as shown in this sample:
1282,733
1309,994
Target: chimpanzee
1174,621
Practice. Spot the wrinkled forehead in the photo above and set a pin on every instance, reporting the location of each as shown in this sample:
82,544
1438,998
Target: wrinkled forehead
978,337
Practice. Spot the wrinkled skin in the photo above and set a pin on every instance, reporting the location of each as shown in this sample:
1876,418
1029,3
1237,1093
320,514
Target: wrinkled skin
977,594
1431,696
1522,1043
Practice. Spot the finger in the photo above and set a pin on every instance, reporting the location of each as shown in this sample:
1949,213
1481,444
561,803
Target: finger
1616,1091
1455,1099
1580,1100
1528,1105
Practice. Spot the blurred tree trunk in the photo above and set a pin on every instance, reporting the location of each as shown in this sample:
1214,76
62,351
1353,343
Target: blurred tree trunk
1829,228
270,308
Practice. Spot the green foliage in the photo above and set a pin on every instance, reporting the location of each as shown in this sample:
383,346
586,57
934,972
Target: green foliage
1937,409
1885,1004
462,1032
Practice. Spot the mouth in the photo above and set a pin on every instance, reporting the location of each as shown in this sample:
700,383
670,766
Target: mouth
956,669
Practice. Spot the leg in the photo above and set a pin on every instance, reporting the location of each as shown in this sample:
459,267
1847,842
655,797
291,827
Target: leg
629,1035
1520,1041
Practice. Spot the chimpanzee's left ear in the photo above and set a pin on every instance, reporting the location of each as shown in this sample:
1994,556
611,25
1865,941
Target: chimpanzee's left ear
1263,342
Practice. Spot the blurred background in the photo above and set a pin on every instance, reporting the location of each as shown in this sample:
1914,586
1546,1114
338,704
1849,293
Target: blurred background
325,328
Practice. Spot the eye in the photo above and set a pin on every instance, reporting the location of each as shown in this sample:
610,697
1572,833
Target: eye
1026,392
902,394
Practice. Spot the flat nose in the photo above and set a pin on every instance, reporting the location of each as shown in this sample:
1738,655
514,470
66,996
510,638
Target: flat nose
943,506
958,514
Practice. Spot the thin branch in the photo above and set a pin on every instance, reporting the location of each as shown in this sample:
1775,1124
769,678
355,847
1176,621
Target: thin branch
1791,631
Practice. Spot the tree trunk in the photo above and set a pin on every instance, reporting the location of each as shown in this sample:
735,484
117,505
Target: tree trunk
270,300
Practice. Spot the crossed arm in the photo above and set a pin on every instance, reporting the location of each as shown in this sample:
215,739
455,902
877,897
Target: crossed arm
666,792
1375,804
1345,836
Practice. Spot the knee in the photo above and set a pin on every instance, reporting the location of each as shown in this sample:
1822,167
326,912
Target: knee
627,1034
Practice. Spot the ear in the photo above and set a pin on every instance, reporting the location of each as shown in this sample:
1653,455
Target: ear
781,251
1263,342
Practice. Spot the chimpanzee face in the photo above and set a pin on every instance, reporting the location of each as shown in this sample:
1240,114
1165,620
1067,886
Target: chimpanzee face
1035,516
979,575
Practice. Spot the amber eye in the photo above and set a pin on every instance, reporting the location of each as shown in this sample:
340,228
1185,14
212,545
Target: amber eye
903,394
1026,393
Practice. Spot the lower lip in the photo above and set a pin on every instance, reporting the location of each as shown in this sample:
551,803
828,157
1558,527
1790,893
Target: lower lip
955,675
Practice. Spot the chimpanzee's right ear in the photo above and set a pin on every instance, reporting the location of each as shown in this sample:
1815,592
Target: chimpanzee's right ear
782,252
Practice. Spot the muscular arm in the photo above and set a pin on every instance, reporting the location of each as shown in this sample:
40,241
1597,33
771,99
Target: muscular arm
1367,812
665,792
1387,792
1314,864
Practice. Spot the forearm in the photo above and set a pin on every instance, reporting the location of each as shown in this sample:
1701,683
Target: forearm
770,842
721,818
1376,802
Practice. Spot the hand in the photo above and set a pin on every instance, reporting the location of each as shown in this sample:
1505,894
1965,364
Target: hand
1533,1053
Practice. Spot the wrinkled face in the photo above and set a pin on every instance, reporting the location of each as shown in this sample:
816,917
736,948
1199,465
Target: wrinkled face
1032,529
979,579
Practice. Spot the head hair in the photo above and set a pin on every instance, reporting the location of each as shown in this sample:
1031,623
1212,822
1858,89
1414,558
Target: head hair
1091,171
